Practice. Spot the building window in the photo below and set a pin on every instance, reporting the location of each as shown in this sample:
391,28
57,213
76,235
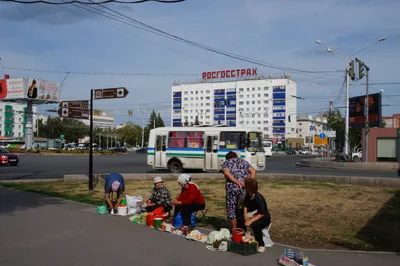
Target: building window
265,88
386,150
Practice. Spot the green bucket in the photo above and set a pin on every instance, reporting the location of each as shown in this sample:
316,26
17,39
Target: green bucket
157,223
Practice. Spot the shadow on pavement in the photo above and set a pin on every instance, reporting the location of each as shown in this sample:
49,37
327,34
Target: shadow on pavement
383,231
15,200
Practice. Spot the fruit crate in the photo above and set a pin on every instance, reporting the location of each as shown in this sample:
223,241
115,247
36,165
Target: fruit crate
243,249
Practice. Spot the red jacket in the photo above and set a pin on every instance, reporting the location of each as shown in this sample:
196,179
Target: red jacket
191,195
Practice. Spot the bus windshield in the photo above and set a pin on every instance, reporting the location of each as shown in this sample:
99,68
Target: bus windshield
255,142
232,140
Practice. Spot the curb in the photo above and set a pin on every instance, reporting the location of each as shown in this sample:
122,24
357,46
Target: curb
299,164
16,181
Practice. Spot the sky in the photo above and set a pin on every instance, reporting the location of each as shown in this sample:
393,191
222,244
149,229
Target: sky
70,38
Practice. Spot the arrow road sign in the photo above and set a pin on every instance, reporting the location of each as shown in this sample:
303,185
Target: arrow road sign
110,93
322,135
75,104
73,113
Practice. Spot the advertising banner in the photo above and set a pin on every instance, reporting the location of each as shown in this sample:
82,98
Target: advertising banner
42,90
357,111
11,89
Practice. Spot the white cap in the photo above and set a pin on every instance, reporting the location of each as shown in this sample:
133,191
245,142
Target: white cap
157,179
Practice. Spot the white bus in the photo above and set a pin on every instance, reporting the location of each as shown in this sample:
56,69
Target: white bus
267,144
179,148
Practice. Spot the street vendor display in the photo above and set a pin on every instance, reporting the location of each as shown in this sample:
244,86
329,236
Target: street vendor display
292,257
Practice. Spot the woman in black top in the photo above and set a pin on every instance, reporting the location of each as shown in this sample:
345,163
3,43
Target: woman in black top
255,202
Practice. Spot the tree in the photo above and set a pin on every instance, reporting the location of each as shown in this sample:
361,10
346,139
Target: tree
160,121
196,121
186,123
155,121
131,134
72,129
336,122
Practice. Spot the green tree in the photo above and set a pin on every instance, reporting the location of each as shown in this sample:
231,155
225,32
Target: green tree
196,121
72,129
159,121
186,123
131,134
155,121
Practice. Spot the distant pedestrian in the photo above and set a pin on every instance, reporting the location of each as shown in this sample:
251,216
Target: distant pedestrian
236,170
114,187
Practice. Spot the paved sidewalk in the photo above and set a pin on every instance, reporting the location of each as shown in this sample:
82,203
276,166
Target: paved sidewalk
48,231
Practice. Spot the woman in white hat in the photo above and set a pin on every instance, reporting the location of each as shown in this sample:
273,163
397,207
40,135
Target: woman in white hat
190,199
160,197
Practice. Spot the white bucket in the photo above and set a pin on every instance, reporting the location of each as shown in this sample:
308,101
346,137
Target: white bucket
122,210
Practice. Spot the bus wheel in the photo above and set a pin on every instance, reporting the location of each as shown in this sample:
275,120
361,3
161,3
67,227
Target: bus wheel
175,166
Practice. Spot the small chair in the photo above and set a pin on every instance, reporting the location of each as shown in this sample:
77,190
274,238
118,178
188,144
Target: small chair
203,212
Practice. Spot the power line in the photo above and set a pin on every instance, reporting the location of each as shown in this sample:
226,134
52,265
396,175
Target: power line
93,3
148,28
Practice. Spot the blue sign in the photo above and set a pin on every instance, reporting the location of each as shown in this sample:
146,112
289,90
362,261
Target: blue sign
322,136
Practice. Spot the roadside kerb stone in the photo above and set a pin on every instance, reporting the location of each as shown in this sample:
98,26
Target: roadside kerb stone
354,180
20,181
365,166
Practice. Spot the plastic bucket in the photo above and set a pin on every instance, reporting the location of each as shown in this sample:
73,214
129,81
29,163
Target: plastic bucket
157,223
122,210
150,219
237,235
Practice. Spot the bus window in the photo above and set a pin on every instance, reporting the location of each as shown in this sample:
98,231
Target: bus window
195,139
177,139
255,142
232,140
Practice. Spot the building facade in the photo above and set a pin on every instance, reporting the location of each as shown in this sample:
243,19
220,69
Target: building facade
13,119
268,104
101,120
309,126
392,121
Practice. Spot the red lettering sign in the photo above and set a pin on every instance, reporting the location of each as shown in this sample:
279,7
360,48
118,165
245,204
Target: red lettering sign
229,73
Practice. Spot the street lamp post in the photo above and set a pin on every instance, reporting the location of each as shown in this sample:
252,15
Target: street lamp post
348,60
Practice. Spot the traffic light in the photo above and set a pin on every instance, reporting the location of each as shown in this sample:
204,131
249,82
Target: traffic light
130,113
361,68
351,73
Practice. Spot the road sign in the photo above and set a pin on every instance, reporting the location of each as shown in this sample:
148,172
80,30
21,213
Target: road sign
330,133
75,104
112,93
319,141
73,113
322,135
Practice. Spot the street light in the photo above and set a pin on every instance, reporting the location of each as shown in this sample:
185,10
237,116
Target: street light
348,59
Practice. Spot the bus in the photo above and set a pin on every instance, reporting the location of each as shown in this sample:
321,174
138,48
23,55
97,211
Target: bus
267,144
11,143
203,148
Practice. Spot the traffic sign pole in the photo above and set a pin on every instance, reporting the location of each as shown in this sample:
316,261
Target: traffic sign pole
91,143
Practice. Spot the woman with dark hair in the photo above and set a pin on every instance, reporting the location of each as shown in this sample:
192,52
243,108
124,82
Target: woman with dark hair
256,212
236,170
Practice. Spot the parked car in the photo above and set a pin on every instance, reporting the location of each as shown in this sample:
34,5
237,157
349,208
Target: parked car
8,158
305,152
291,152
119,149
356,156
141,150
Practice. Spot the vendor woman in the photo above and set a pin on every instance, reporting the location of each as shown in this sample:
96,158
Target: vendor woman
255,202
160,197
190,200
114,188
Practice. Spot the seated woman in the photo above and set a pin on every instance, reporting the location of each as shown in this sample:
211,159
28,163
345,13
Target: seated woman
256,214
190,199
114,183
160,197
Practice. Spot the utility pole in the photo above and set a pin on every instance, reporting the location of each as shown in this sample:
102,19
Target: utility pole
349,74
142,128
361,67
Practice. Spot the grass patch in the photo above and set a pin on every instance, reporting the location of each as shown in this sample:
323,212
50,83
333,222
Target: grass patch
306,214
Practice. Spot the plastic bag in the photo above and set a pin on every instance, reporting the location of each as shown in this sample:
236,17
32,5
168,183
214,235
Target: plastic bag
193,219
266,238
101,210
134,201
178,220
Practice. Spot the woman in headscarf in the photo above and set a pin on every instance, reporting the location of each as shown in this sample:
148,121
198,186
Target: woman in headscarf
190,200
236,170
114,183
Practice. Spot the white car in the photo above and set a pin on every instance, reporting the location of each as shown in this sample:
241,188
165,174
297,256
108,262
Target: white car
305,152
357,156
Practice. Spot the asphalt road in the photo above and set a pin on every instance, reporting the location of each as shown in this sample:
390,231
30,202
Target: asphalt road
56,166
51,231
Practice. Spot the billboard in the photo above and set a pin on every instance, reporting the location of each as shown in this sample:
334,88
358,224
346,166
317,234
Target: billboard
42,90
33,89
357,111
11,89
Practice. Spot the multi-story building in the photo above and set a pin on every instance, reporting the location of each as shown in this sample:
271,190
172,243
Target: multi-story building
13,119
268,104
392,121
308,127
100,120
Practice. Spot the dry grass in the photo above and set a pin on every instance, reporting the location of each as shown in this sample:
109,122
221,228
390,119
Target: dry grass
312,215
